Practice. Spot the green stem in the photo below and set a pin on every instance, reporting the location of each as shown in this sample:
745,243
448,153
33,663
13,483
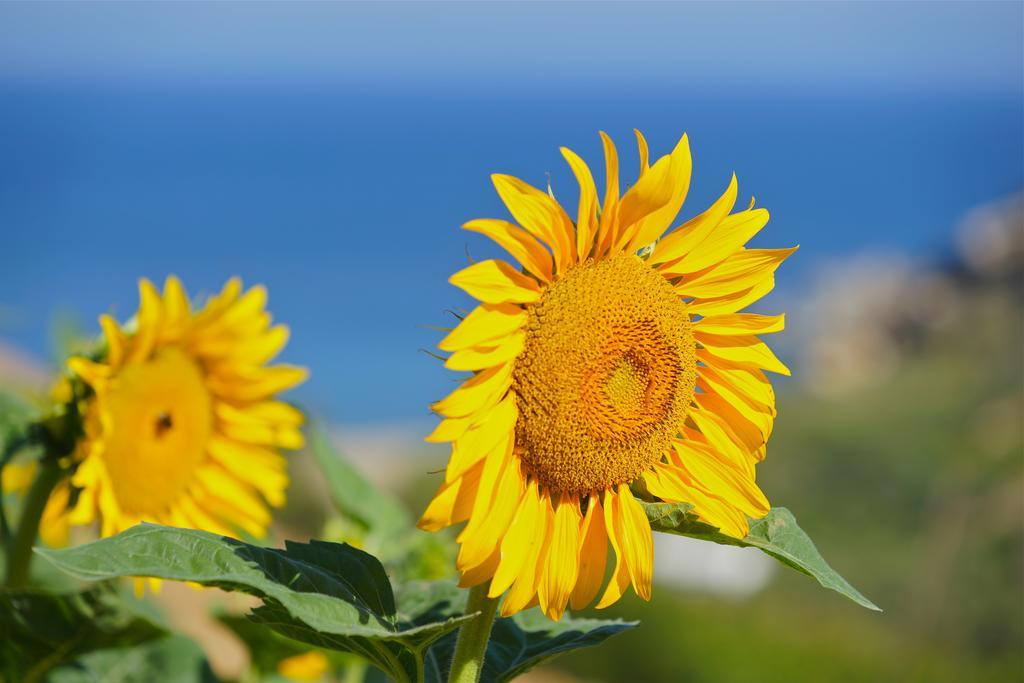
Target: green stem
471,646
19,555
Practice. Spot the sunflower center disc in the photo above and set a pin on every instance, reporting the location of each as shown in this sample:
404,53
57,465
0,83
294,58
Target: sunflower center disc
606,376
158,421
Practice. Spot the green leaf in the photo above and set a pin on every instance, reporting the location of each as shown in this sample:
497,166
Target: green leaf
529,638
174,659
353,495
331,595
41,631
517,644
430,610
777,534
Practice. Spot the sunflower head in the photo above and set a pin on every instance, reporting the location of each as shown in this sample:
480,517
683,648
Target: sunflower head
605,376
614,357
182,426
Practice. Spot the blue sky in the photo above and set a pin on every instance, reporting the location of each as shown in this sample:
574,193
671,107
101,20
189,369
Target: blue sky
332,150
836,45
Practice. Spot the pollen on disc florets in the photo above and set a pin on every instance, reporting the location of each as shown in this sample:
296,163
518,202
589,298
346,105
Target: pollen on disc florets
606,376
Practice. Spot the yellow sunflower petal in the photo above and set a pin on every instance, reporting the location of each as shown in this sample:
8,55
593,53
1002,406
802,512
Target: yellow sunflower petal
726,239
593,552
635,538
491,478
519,544
92,373
220,483
480,541
259,347
265,472
683,240
524,588
53,525
453,501
748,433
248,307
450,429
714,474
562,566
519,243
719,435
176,306
485,323
655,223
115,340
480,357
278,412
616,588
642,149
751,408
540,215
18,476
490,434
740,323
608,227
148,322
672,484
742,270
198,518
586,217
496,282
257,384
479,392
743,350
244,518
650,193
731,303
750,382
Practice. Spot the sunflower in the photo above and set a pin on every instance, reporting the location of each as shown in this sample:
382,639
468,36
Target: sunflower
614,363
181,426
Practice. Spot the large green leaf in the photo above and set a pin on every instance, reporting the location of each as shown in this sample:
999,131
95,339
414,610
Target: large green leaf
41,631
312,592
777,534
430,610
517,644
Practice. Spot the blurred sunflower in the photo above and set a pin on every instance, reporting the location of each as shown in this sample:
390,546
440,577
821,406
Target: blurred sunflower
182,427
614,358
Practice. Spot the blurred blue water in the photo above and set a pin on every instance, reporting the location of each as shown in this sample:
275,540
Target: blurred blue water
345,201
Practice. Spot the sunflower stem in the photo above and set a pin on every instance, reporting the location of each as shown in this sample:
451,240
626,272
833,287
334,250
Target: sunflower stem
19,555
471,646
